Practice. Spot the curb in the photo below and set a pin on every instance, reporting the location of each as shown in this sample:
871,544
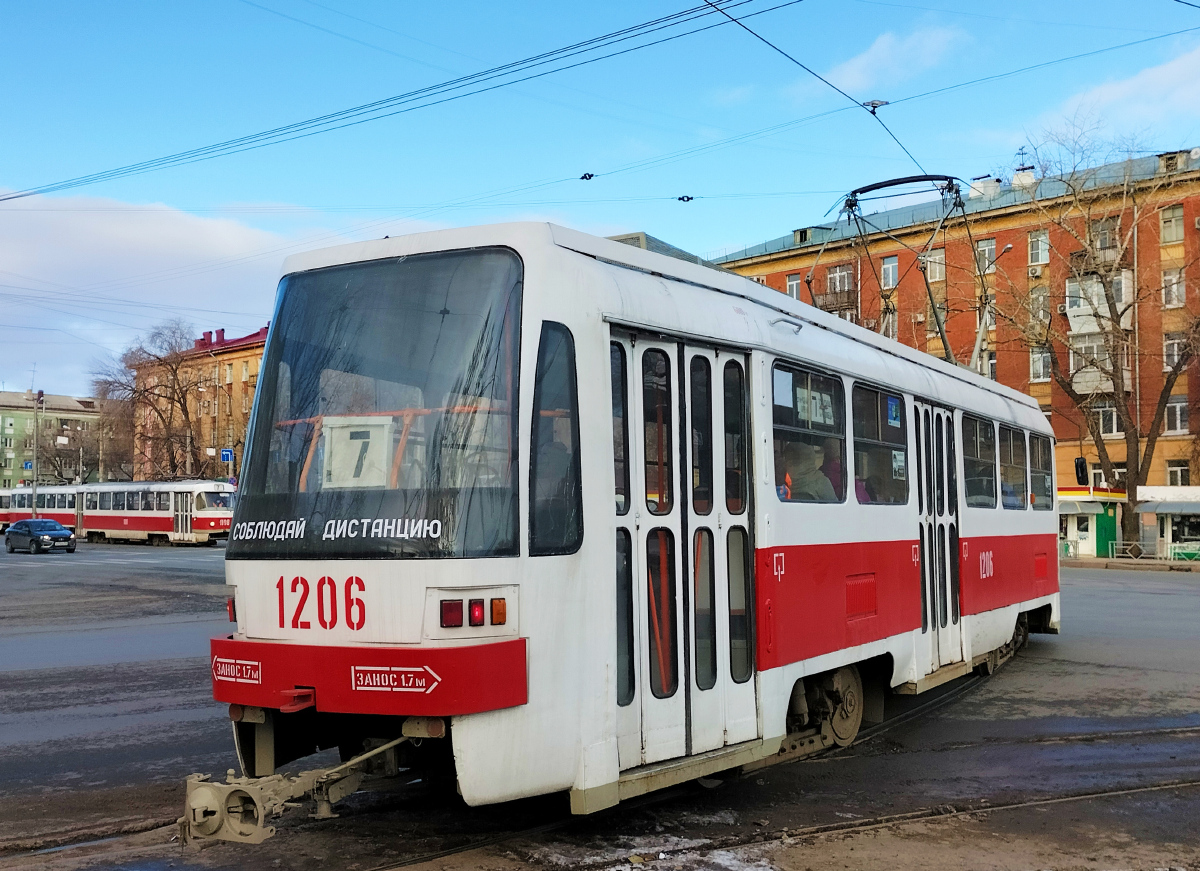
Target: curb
1131,565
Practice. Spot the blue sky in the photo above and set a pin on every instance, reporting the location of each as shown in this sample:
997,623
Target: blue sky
92,86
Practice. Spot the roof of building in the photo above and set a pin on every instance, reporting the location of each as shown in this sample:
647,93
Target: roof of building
208,344
986,194
651,243
24,401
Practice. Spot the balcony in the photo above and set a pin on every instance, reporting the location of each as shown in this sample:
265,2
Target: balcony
841,300
1090,381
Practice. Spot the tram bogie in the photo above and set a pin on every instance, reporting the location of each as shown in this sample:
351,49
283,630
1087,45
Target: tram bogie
618,519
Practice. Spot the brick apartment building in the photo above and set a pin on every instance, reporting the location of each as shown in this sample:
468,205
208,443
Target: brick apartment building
215,379
1141,223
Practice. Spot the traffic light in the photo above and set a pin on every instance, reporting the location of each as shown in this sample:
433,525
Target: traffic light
1081,476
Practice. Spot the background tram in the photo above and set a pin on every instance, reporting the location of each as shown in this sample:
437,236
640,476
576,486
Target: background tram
596,520
174,512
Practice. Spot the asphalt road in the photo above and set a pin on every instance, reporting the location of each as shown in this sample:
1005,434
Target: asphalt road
95,731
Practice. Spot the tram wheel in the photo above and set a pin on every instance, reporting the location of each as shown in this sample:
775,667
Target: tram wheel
847,716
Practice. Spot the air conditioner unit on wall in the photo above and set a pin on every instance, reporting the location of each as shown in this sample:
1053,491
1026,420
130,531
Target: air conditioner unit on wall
1035,272
1198,223
1062,308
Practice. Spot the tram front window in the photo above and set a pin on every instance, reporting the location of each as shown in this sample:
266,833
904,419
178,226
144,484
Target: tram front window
210,500
386,421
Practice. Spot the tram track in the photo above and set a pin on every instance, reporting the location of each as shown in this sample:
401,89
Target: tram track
113,835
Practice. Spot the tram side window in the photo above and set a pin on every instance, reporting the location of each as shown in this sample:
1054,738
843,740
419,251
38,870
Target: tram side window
106,501
556,499
70,500
163,500
118,500
660,580
89,501
1041,473
656,411
702,448
625,657
810,436
620,422
41,500
147,500
1012,468
880,447
741,648
979,461
735,438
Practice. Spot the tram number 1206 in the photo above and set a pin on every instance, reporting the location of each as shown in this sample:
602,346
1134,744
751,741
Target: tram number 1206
327,594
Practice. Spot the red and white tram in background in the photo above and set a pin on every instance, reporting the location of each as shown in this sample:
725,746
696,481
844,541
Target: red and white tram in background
175,512
606,520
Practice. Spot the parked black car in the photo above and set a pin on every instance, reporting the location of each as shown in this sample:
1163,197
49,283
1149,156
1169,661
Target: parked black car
38,535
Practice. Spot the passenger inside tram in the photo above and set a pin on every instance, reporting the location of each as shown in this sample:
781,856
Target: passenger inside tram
799,476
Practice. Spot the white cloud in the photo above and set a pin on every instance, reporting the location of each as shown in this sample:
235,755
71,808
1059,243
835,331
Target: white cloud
891,58
1161,98
80,276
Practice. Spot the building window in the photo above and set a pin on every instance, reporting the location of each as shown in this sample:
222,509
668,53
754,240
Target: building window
1108,419
1039,364
1173,345
1177,415
1090,291
228,373
889,275
1178,473
1106,233
760,279
1090,352
1039,247
245,370
793,285
935,265
985,256
1098,479
991,363
1172,288
245,402
840,279
1171,224
1039,303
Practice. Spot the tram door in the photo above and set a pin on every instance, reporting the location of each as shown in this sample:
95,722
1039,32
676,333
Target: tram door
684,680
183,513
938,500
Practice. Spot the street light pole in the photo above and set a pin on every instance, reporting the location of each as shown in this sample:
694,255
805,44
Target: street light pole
37,429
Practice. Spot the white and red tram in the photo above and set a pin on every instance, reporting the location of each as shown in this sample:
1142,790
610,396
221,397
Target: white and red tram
615,519
160,512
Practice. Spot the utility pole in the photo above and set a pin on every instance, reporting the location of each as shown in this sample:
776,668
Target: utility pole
38,402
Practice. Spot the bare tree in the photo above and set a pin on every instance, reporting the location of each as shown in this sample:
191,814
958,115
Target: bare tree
1095,207
158,385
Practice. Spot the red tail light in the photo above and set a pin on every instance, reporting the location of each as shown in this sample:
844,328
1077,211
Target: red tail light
452,613
476,612
231,610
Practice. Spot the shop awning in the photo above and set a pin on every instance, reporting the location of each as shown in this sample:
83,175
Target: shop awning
1169,508
1066,506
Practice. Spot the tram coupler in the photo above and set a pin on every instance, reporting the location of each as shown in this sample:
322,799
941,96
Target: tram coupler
238,809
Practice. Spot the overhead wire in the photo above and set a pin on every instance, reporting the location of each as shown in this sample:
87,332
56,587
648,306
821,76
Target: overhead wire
445,92
821,78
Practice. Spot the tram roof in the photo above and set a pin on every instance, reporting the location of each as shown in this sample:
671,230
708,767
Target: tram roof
530,235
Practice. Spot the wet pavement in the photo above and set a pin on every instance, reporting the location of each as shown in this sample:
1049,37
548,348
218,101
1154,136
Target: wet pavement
1111,704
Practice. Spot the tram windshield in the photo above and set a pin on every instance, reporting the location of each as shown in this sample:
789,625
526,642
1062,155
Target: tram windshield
386,423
